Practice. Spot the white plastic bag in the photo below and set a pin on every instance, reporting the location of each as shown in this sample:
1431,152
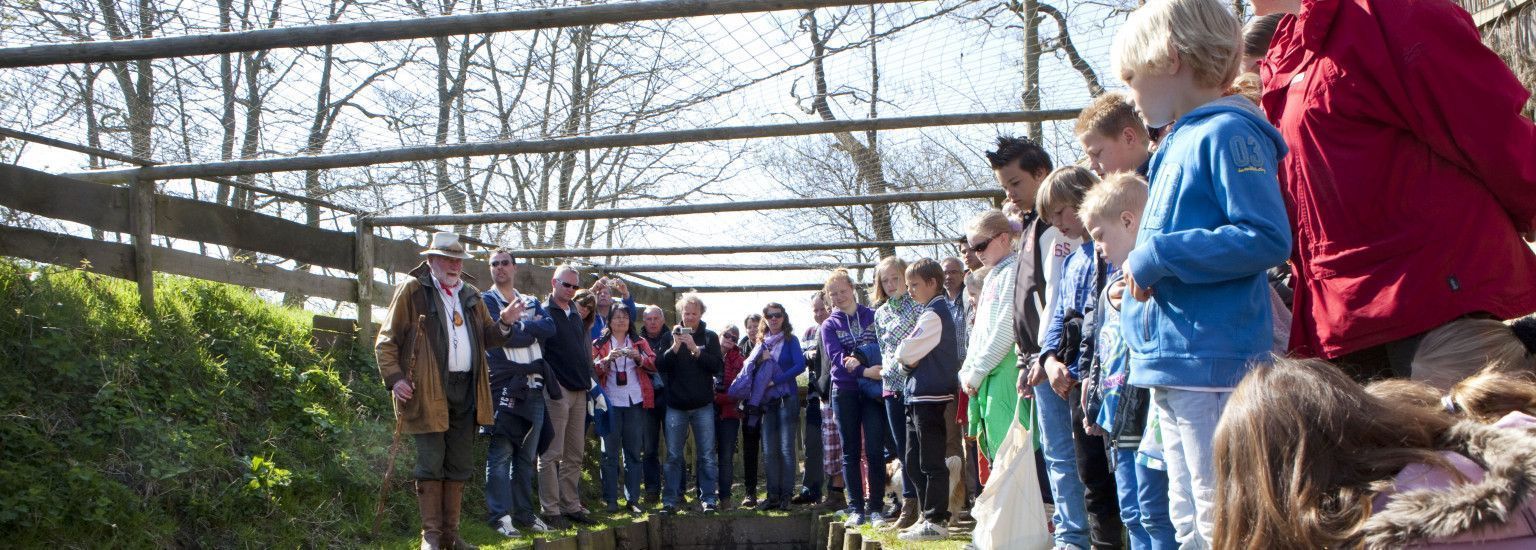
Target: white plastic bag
1009,512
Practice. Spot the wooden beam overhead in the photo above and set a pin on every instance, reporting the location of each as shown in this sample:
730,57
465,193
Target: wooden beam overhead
578,143
678,268
556,253
406,29
682,209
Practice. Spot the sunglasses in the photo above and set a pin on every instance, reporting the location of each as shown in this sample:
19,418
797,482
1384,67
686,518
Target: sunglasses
983,244
569,285
499,263
774,315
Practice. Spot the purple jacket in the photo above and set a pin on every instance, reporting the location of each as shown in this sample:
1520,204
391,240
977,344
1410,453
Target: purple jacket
838,341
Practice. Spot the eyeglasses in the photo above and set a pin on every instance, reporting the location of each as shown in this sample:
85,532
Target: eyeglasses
570,286
499,263
978,247
774,315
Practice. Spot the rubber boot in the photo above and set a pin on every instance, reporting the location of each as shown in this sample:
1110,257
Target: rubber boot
429,498
453,499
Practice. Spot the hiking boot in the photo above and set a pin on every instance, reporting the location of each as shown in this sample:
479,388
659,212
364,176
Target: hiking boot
909,515
804,498
453,501
429,499
580,518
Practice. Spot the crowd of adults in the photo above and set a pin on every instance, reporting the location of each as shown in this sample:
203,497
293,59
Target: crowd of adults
1272,218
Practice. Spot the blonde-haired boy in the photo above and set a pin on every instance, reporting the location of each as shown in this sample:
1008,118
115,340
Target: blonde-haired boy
1113,135
1214,223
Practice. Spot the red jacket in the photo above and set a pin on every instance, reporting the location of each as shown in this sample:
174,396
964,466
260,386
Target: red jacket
1410,171
726,406
646,368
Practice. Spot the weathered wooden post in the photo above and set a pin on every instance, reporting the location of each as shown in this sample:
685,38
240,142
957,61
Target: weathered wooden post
363,252
141,223
871,545
835,535
853,540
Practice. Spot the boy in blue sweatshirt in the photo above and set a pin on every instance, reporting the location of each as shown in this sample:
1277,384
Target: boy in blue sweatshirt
1214,223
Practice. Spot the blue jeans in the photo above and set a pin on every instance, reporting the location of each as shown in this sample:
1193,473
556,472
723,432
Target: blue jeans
780,418
1128,496
896,417
858,414
510,466
626,437
702,422
1067,490
1152,498
815,478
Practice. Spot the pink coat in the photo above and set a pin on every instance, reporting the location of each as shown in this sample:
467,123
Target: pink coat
1431,508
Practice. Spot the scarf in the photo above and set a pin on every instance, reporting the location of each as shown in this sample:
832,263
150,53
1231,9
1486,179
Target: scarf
763,366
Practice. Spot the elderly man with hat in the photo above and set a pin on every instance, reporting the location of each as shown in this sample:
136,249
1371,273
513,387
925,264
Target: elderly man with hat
431,353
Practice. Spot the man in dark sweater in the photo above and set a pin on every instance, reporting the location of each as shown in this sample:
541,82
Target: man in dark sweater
690,366
656,333
569,353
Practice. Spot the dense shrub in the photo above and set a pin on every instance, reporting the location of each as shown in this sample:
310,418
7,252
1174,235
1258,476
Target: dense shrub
216,424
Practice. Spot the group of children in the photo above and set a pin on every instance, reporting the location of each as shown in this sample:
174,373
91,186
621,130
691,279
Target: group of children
1156,395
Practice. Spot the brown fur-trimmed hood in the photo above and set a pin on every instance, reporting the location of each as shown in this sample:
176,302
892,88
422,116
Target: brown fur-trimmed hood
1508,459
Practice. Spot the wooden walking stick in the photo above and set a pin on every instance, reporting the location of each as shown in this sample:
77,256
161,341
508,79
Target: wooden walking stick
394,445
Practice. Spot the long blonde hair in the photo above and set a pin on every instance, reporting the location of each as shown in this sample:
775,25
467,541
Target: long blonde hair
1465,347
1300,452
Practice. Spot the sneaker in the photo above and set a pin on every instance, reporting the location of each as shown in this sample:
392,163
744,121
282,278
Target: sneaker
634,509
504,526
767,505
855,519
749,502
668,510
612,508
710,507
557,522
804,498
537,526
925,531
876,519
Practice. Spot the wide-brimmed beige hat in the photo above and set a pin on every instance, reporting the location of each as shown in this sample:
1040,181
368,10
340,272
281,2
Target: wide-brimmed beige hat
447,245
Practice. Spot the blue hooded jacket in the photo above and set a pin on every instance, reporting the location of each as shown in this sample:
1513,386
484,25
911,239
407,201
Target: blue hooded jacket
1213,223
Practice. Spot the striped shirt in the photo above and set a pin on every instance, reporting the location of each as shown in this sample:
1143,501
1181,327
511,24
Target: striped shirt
992,336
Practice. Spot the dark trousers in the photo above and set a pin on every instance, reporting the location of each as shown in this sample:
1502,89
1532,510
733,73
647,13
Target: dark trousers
923,465
1098,476
726,433
815,476
651,463
861,423
1389,360
449,455
896,416
751,455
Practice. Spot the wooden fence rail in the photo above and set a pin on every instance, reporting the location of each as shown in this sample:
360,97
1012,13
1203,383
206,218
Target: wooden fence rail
114,209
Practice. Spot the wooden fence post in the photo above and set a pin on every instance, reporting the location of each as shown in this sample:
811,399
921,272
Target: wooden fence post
364,251
141,216
853,540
